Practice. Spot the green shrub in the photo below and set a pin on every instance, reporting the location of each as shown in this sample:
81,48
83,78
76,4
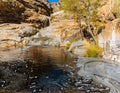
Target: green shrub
94,51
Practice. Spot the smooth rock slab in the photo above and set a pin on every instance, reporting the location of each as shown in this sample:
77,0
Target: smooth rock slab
102,71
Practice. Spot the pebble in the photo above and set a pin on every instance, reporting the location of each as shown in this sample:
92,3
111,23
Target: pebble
40,90
88,91
80,88
33,86
34,90
35,76
107,88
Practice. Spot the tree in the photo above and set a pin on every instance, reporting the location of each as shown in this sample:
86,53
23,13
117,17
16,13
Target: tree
84,11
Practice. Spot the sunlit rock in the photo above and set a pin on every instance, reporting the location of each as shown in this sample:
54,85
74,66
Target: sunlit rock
109,39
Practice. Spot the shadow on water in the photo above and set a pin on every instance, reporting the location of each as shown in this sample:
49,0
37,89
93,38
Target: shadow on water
37,69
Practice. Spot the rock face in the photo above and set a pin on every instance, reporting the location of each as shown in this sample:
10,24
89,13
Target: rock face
109,27
105,12
15,34
22,19
59,33
11,11
32,11
27,31
110,40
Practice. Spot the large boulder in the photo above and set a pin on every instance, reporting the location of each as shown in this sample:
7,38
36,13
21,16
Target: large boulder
109,27
109,39
13,35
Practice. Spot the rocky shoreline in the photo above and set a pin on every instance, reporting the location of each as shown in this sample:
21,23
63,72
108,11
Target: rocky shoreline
20,68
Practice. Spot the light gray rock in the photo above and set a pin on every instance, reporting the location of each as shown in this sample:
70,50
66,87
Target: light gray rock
75,44
102,71
79,51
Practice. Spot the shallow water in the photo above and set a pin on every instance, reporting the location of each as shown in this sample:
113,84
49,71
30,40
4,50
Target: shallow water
34,69
43,70
103,71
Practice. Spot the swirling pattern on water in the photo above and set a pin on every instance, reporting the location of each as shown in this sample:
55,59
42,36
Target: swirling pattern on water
103,71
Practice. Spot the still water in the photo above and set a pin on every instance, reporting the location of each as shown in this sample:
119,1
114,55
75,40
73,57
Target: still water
34,70
44,70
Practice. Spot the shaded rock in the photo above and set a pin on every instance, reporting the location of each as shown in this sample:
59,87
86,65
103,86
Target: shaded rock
11,11
36,18
32,11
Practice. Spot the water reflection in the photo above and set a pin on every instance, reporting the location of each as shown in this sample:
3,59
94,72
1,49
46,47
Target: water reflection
43,70
45,54
34,70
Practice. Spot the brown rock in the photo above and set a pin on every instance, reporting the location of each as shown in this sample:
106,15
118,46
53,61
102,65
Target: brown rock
16,11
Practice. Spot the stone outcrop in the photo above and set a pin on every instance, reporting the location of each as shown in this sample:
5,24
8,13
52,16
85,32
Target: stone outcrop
109,27
30,11
105,12
57,34
22,19
13,35
11,11
109,39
